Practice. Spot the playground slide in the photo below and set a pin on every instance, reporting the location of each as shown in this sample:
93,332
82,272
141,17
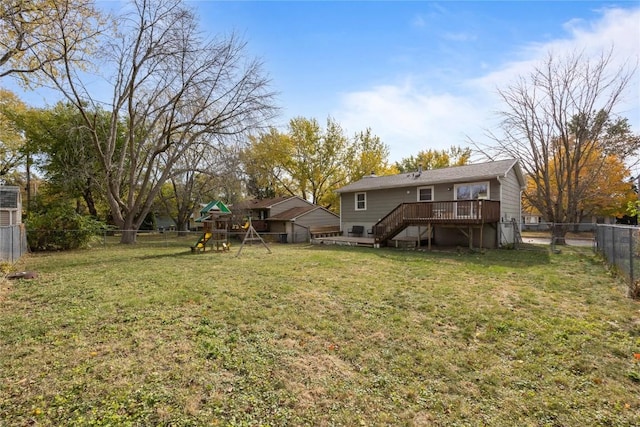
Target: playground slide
203,241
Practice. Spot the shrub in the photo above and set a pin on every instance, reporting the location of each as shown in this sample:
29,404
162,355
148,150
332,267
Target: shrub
61,228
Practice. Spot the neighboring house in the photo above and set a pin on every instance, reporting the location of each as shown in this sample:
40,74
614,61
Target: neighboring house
475,205
290,218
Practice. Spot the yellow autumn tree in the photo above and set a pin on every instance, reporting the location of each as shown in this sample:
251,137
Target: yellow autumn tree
39,35
311,161
604,188
435,159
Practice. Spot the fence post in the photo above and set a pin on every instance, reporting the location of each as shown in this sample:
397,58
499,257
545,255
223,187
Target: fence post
614,259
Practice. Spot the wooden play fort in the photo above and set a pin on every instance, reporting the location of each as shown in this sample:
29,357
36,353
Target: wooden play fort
215,219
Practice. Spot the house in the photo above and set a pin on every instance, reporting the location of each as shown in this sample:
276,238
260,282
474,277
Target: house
476,205
289,218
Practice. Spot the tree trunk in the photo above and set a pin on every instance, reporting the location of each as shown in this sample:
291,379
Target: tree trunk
559,233
129,231
88,200
128,237
182,227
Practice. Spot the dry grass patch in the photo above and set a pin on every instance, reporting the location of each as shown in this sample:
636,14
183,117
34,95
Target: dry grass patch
318,336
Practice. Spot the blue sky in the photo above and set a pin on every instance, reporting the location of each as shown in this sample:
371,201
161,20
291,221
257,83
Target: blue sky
420,74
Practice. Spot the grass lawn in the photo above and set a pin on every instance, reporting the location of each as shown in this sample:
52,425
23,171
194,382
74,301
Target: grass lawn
317,335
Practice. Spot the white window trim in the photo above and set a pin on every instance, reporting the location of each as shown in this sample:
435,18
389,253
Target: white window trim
462,184
422,188
355,197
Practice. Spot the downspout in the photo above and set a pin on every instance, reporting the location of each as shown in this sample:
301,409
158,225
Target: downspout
499,230
340,215
499,179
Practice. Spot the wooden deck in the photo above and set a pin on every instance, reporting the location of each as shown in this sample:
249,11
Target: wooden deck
466,213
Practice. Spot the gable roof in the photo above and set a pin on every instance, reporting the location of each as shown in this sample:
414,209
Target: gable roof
215,206
474,172
297,212
292,213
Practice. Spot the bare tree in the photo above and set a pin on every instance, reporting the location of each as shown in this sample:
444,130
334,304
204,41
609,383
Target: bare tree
173,90
557,121
203,174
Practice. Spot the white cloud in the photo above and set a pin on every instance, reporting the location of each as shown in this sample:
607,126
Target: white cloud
418,21
411,116
409,120
618,30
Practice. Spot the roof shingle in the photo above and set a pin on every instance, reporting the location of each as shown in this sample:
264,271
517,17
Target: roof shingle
473,172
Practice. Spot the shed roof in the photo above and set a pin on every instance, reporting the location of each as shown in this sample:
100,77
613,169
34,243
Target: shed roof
473,172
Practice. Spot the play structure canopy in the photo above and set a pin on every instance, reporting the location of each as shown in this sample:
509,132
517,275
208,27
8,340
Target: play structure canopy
215,207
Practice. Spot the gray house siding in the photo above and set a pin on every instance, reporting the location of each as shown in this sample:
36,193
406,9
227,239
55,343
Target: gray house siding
510,209
318,217
505,184
380,202
297,229
510,206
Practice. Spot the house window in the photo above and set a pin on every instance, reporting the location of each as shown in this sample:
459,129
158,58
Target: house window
472,191
361,201
469,191
425,194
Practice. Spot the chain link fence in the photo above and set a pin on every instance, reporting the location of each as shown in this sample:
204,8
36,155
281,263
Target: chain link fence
575,234
620,246
156,238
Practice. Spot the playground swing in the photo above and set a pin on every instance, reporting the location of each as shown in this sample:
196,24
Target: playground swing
250,236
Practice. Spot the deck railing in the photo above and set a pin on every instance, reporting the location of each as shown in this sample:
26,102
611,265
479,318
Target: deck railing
462,212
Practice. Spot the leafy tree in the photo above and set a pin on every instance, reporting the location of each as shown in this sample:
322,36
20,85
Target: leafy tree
60,227
318,158
311,162
172,92
435,159
369,155
12,140
559,121
604,194
39,34
64,153
266,165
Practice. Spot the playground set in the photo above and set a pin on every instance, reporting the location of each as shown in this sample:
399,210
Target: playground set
216,224
215,218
